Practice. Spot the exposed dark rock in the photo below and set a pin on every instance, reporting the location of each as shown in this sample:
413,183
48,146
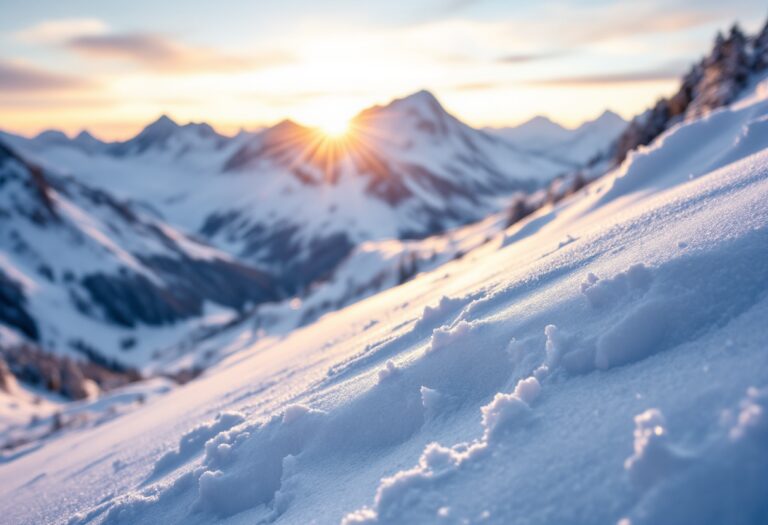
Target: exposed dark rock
13,308
60,374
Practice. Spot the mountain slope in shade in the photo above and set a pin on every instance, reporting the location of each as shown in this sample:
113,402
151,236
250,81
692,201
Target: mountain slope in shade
86,274
578,146
602,361
296,202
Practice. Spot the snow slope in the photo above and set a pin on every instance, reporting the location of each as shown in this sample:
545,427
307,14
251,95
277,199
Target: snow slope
603,361
86,274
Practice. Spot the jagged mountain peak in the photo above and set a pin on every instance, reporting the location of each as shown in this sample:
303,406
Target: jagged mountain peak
162,126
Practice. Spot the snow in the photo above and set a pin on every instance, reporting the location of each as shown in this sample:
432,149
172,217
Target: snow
616,378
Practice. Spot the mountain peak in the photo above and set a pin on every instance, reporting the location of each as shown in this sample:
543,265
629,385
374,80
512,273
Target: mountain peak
163,123
420,100
610,116
85,135
52,136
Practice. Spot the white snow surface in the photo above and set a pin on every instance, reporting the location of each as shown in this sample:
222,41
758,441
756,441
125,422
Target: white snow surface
604,361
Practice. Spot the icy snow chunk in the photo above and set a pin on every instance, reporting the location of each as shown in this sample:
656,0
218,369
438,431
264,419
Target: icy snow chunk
653,457
431,400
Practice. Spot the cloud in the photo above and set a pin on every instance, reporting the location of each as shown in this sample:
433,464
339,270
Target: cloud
20,77
477,86
160,53
57,31
521,58
630,77
643,22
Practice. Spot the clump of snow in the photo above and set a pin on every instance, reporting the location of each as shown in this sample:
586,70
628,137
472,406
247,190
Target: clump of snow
389,371
193,441
396,493
448,335
528,389
603,293
752,420
445,308
502,412
653,457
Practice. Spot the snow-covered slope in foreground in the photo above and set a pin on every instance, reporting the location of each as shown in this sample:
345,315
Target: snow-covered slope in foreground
602,362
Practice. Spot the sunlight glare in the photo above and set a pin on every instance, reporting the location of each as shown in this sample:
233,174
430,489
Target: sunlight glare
334,126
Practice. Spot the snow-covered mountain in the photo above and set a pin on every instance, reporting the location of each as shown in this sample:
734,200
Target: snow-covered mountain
601,361
85,274
296,202
577,146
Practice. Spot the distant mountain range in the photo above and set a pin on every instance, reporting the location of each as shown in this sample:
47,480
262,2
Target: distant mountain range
294,202
577,146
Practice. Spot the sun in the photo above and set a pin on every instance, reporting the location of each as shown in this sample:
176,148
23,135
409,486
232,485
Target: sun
334,126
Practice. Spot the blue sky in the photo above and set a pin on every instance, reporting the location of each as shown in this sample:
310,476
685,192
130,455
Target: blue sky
112,66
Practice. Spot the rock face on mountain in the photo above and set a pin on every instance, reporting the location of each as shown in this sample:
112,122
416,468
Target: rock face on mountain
74,261
711,83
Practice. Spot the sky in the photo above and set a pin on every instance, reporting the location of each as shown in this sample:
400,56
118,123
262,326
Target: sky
112,67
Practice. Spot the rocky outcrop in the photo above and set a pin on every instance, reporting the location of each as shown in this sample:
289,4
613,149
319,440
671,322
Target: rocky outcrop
13,308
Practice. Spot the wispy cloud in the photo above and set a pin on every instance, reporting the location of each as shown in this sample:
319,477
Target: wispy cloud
160,53
57,31
522,58
477,86
629,77
21,77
